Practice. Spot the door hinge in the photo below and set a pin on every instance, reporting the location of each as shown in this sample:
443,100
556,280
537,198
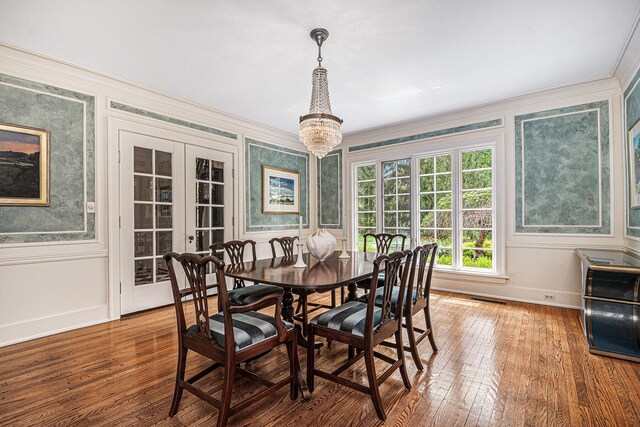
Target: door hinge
120,221
120,287
233,173
233,220
118,156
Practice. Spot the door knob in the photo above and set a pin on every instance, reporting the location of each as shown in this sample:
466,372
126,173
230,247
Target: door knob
191,239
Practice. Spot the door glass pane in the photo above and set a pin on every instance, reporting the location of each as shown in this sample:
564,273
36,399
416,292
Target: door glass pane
366,204
164,242
163,216
163,190
142,162
162,271
142,188
217,171
202,192
163,163
143,244
143,216
202,240
217,217
202,169
217,194
143,271
202,216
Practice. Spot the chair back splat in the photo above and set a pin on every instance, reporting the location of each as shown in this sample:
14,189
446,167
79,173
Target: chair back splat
195,270
392,265
286,243
420,274
235,250
383,241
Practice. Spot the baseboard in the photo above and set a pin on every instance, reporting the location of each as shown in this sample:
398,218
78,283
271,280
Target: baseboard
18,332
507,294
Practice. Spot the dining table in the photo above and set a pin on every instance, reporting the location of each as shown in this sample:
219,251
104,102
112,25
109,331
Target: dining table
317,276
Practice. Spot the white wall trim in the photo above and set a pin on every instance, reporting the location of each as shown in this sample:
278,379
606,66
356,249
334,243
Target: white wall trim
17,332
517,299
53,257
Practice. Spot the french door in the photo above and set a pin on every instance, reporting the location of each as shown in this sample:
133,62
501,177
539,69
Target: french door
173,197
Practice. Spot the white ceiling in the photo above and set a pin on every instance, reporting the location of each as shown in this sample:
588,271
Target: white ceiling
388,61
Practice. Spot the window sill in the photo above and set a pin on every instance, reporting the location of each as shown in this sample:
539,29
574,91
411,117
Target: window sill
470,276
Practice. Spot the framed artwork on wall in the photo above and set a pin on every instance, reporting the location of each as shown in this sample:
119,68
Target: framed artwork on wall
24,166
634,165
280,191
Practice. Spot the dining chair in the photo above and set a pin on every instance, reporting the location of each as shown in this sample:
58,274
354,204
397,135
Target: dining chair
416,300
232,336
364,326
287,245
242,294
383,243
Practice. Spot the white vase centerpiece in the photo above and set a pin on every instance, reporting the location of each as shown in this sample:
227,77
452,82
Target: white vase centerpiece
321,244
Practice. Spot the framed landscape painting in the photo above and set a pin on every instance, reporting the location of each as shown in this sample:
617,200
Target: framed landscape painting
634,165
24,166
280,191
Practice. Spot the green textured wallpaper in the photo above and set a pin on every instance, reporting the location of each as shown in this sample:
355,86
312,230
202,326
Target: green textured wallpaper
562,170
330,190
257,154
632,113
69,117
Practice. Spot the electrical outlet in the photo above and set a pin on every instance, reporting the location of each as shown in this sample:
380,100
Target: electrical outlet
549,297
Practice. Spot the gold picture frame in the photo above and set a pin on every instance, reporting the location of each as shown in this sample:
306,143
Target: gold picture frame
280,191
24,166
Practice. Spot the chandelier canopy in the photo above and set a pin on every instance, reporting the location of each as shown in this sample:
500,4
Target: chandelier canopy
320,130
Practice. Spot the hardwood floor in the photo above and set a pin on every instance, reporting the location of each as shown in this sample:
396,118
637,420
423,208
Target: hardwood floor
513,364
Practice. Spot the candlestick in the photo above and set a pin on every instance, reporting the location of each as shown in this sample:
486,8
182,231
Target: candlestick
300,262
344,226
300,230
344,254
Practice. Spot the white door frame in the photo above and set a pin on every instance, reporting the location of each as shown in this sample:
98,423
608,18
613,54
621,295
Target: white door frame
163,131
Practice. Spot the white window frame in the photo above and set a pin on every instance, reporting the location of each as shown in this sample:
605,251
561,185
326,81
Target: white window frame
454,145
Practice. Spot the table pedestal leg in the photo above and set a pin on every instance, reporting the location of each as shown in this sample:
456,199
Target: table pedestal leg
287,305
287,314
353,292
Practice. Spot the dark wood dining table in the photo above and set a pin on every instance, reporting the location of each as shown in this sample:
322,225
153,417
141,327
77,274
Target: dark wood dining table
318,276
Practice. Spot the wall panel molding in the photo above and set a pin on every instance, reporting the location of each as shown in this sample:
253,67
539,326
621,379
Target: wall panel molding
562,162
259,153
69,116
330,190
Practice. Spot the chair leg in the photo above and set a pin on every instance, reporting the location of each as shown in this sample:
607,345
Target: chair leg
227,391
412,342
311,352
292,351
373,383
403,365
333,298
177,393
305,312
427,318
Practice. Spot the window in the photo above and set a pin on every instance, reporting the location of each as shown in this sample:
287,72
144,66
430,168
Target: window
365,202
477,209
396,193
446,196
436,204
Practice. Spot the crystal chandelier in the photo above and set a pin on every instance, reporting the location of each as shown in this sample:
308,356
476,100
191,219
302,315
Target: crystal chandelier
320,130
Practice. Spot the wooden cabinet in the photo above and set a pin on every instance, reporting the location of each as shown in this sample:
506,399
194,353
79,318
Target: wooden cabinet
611,302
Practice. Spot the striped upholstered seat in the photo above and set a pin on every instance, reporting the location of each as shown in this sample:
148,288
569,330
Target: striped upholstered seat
250,294
379,294
249,328
348,318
